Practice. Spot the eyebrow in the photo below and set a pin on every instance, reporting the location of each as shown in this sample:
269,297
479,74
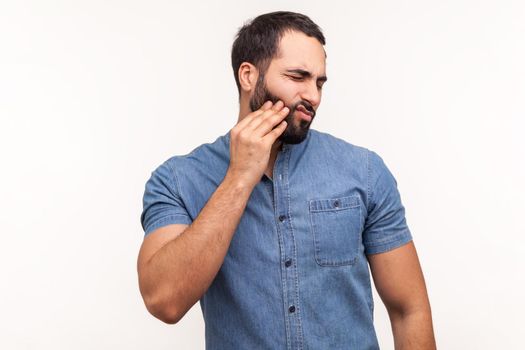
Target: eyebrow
305,74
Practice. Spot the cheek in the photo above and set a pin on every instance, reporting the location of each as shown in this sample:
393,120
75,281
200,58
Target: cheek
285,90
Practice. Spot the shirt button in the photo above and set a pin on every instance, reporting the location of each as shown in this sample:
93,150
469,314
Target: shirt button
282,218
287,263
336,204
291,309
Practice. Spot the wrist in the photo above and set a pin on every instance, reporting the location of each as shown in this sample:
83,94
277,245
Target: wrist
238,183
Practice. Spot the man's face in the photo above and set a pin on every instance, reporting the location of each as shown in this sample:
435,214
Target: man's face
295,76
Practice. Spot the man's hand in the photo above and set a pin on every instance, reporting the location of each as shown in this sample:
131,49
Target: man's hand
251,142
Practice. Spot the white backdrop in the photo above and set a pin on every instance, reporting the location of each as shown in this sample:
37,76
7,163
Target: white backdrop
95,94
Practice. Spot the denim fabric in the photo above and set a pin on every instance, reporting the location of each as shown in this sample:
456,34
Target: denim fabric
296,274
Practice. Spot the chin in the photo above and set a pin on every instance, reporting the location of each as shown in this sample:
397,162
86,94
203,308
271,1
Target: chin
294,138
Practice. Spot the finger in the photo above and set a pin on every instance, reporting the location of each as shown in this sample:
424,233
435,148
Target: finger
248,118
272,136
255,122
278,106
266,105
271,122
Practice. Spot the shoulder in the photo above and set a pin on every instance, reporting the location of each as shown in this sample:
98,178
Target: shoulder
209,153
352,158
328,142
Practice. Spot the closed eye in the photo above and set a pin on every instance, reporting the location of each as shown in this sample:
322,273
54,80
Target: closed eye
296,78
320,81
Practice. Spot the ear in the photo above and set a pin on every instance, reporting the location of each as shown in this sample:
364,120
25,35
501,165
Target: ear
248,75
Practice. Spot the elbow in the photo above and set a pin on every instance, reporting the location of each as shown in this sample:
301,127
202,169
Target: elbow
168,318
161,299
162,309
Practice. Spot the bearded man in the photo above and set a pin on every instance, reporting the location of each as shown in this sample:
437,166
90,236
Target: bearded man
273,226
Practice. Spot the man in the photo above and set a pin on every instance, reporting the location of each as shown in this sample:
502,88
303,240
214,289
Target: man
273,226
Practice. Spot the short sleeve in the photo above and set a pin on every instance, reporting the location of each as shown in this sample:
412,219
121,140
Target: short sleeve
162,203
385,225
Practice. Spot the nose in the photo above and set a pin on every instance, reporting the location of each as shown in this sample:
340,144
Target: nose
312,94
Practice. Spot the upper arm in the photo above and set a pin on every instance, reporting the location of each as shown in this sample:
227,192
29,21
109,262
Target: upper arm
398,279
147,278
156,240
164,214
388,242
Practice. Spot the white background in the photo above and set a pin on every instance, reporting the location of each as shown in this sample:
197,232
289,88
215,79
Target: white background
95,94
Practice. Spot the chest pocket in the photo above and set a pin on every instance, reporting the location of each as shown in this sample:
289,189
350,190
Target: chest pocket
336,225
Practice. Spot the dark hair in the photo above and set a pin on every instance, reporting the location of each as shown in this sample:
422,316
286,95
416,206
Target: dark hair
257,41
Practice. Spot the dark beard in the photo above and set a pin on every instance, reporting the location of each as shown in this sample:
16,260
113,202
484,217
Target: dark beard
292,134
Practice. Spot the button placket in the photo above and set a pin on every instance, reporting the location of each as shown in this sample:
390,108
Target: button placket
287,247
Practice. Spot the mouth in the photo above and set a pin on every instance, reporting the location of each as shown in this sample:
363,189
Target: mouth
304,113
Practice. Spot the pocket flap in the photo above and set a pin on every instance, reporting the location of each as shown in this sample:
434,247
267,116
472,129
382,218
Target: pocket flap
338,203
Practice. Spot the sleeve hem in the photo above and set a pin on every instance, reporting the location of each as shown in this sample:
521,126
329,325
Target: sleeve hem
168,220
382,247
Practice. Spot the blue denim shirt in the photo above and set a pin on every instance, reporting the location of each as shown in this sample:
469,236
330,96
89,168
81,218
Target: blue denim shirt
296,274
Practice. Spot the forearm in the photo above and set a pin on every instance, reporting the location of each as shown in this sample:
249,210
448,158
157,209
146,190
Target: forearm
413,330
182,270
